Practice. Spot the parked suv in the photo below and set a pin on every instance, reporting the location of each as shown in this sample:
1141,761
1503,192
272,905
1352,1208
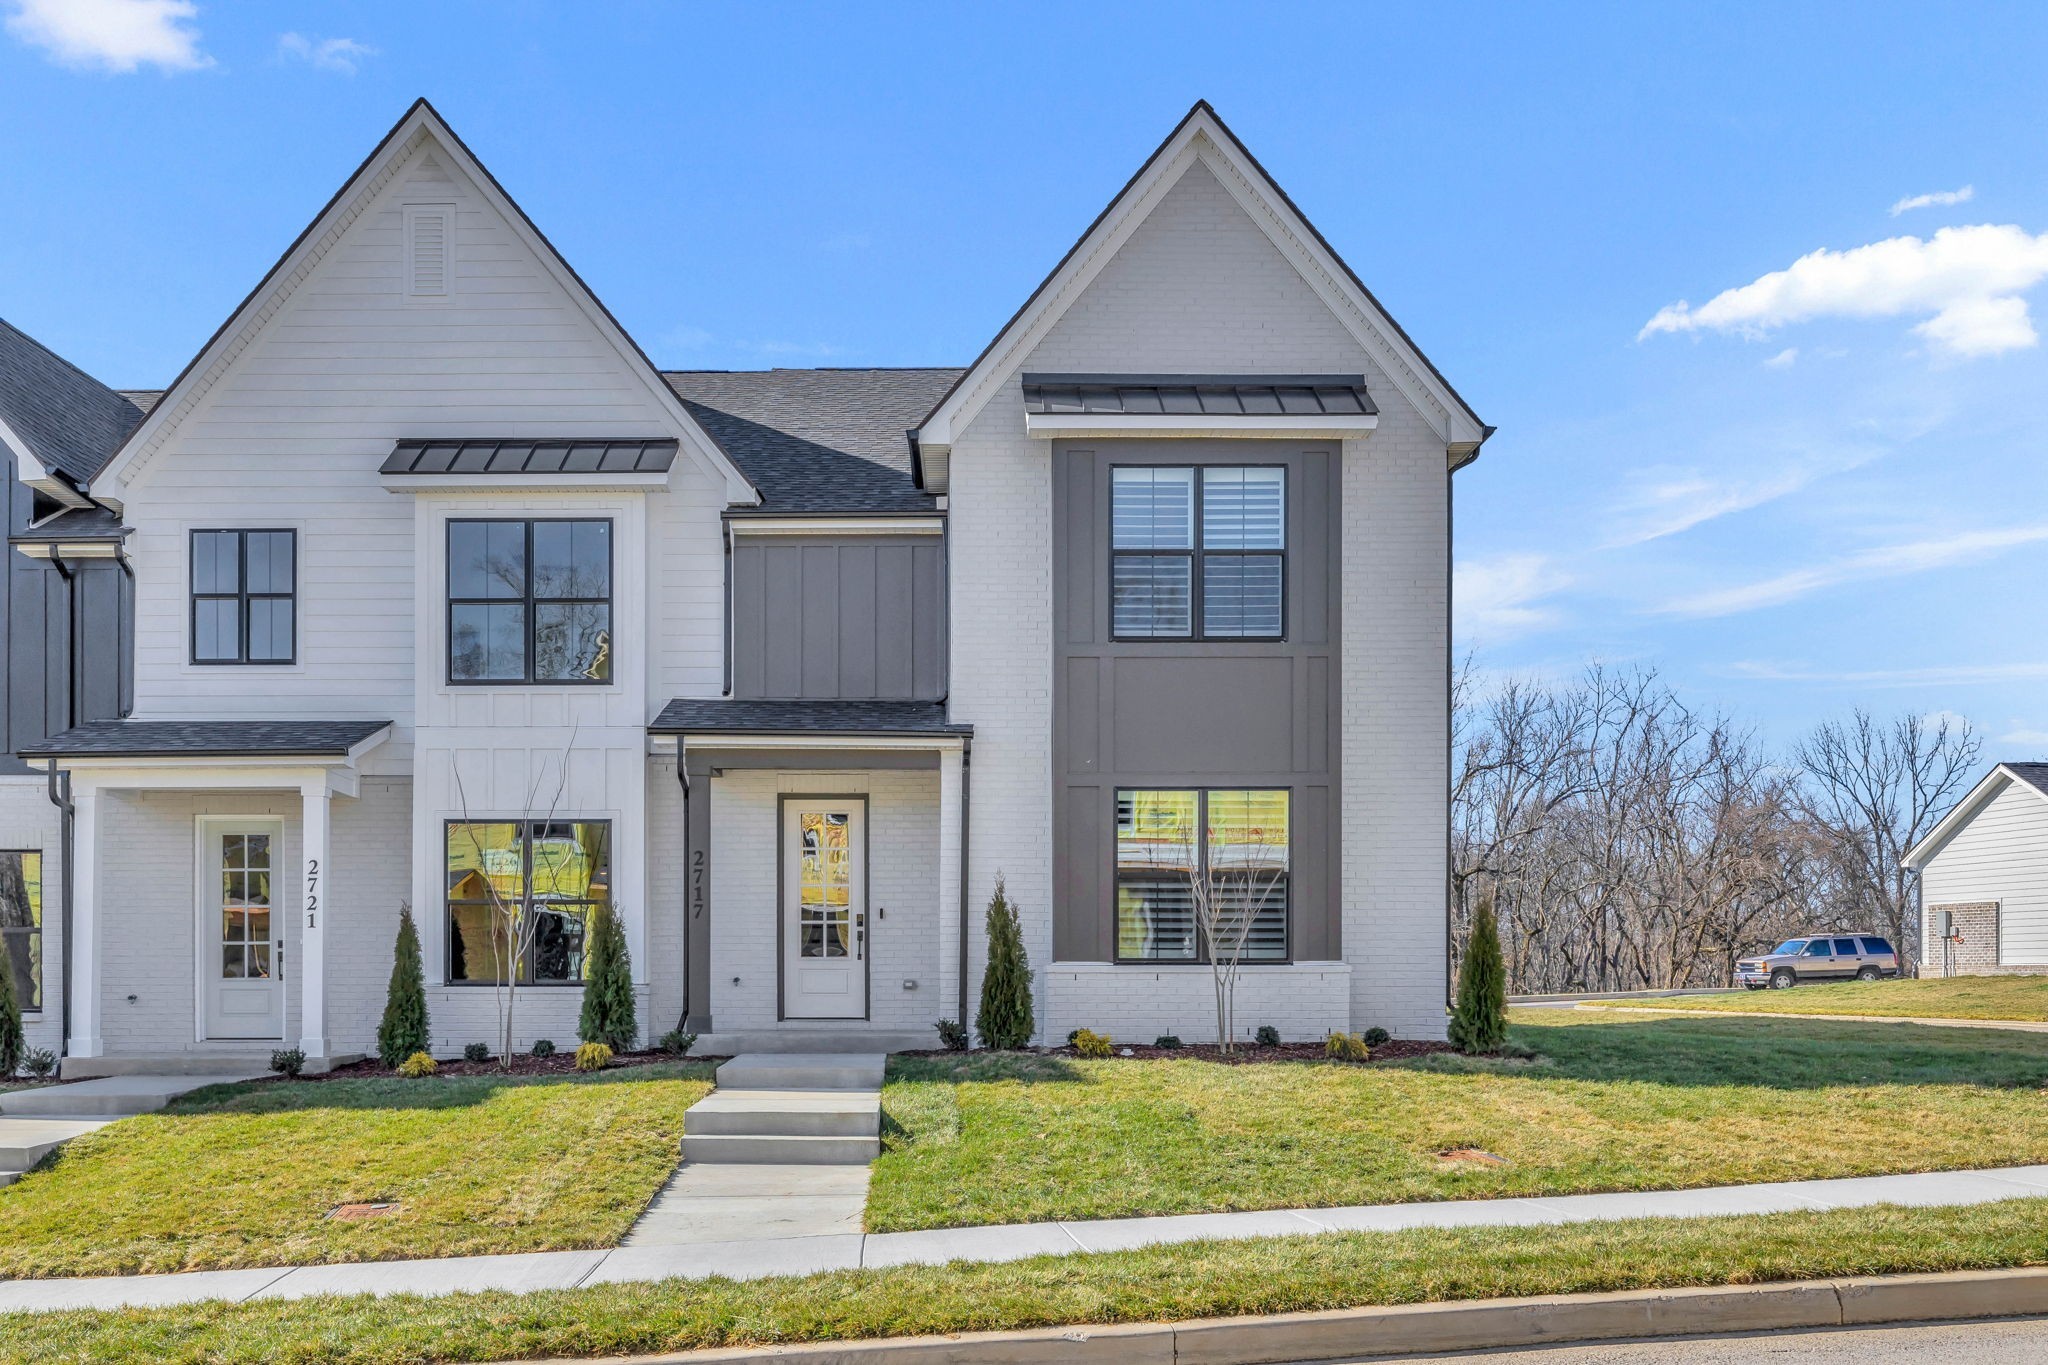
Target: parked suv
1831,957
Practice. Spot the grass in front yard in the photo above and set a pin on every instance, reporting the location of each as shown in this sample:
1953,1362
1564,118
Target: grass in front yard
1617,1102
1157,1284
2021,998
245,1175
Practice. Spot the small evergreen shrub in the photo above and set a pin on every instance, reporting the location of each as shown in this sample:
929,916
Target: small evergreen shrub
1268,1036
1089,1043
952,1035
593,1057
1346,1047
609,1014
39,1062
1006,1019
13,1040
1479,1020
1166,1040
403,1030
1072,1034
543,1047
418,1065
476,1052
678,1043
1376,1036
288,1061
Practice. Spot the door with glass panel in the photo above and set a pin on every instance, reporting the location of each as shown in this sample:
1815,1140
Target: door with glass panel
241,974
824,894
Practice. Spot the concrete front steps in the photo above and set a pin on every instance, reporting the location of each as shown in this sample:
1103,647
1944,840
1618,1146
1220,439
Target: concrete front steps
789,1109
735,1042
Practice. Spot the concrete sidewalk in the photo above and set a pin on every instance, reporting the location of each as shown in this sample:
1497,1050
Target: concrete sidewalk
762,1257
2015,1025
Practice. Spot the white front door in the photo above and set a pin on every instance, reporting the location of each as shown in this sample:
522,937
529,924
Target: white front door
824,909
239,967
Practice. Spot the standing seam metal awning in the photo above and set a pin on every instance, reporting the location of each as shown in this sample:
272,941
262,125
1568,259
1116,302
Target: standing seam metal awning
530,457
1201,395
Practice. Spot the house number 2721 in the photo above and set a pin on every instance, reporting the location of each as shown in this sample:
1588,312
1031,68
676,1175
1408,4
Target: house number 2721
312,893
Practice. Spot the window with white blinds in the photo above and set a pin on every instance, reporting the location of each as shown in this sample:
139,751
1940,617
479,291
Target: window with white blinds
1239,859
1198,553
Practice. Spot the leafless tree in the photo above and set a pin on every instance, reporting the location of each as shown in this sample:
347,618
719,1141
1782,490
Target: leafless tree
1235,868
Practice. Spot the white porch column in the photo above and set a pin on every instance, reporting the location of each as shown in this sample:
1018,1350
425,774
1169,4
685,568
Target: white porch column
312,973
951,787
84,985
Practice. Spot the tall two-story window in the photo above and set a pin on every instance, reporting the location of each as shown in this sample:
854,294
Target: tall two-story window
520,897
1198,552
1179,851
21,925
244,597
530,601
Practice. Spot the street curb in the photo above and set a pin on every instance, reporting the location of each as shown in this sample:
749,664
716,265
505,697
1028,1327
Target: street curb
1442,1328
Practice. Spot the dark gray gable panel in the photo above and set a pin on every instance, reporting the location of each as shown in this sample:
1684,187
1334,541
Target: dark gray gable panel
851,617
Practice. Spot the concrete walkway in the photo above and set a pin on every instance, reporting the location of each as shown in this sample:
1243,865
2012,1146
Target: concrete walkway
37,1120
2015,1025
757,1258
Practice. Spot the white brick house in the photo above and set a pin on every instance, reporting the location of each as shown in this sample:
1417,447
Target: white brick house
444,596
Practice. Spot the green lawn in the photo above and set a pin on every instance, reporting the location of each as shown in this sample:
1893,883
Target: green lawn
1161,1283
246,1175
2023,998
1619,1102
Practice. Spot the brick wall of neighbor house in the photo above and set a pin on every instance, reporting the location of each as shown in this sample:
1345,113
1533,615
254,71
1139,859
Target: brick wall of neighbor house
1199,288
1977,954
1137,1004
903,848
28,822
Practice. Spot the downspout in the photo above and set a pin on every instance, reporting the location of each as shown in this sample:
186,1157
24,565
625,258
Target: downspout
726,626
60,797
683,780
966,798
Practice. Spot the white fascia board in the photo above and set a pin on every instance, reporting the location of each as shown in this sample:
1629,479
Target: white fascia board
837,526
60,549
1052,426
486,483
1964,811
314,242
849,743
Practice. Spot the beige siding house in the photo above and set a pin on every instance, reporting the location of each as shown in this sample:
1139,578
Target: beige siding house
447,598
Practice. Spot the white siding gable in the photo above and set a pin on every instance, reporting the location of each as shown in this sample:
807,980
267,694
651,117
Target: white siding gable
2000,855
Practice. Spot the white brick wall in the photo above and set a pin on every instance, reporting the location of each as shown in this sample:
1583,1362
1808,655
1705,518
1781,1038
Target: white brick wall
1199,288
903,847
1304,1000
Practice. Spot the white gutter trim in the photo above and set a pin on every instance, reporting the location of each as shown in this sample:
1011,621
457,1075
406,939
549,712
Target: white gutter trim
484,483
849,743
1296,426
836,526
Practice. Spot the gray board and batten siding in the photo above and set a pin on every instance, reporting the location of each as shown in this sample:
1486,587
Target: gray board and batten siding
847,616
1174,714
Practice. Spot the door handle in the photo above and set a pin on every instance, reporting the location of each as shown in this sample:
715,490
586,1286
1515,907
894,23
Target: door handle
860,936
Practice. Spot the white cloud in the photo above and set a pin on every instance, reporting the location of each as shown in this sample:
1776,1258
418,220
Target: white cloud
112,35
1969,278
1939,675
1784,359
1888,561
344,55
2031,738
1939,199
1499,597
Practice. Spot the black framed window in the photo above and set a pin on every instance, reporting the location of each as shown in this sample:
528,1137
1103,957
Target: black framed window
1241,859
530,601
520,897
21,924
245,597
1198,552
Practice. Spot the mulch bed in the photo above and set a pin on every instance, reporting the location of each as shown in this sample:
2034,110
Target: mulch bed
1395,1050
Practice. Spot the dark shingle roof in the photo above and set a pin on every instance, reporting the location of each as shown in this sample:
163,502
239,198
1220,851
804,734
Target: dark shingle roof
818,440
1208,395
696,716
596,456
80,523
69,420
205,738
2035,775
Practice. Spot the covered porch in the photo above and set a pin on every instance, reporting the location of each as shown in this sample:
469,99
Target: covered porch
201,878
824,874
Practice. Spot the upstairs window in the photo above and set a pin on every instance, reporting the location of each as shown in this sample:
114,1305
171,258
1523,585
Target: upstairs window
529,602
1198,553
244,597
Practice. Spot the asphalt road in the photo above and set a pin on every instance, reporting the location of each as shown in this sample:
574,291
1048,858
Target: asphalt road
2014,1342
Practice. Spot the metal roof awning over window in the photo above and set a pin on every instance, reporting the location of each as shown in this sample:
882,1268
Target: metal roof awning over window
1199,395
495,457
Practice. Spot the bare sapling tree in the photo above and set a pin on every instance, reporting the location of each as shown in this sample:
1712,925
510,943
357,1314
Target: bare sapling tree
1874,789
513,924
1236,870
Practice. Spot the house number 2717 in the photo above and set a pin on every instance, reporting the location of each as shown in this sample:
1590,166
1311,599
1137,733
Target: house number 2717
312,893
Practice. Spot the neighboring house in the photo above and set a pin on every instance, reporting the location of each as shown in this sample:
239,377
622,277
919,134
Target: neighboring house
828,652
64,620
1984,878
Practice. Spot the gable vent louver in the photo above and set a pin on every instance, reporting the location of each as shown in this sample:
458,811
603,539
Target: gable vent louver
429,243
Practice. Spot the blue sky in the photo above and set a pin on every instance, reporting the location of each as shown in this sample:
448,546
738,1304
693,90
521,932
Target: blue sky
1820,482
